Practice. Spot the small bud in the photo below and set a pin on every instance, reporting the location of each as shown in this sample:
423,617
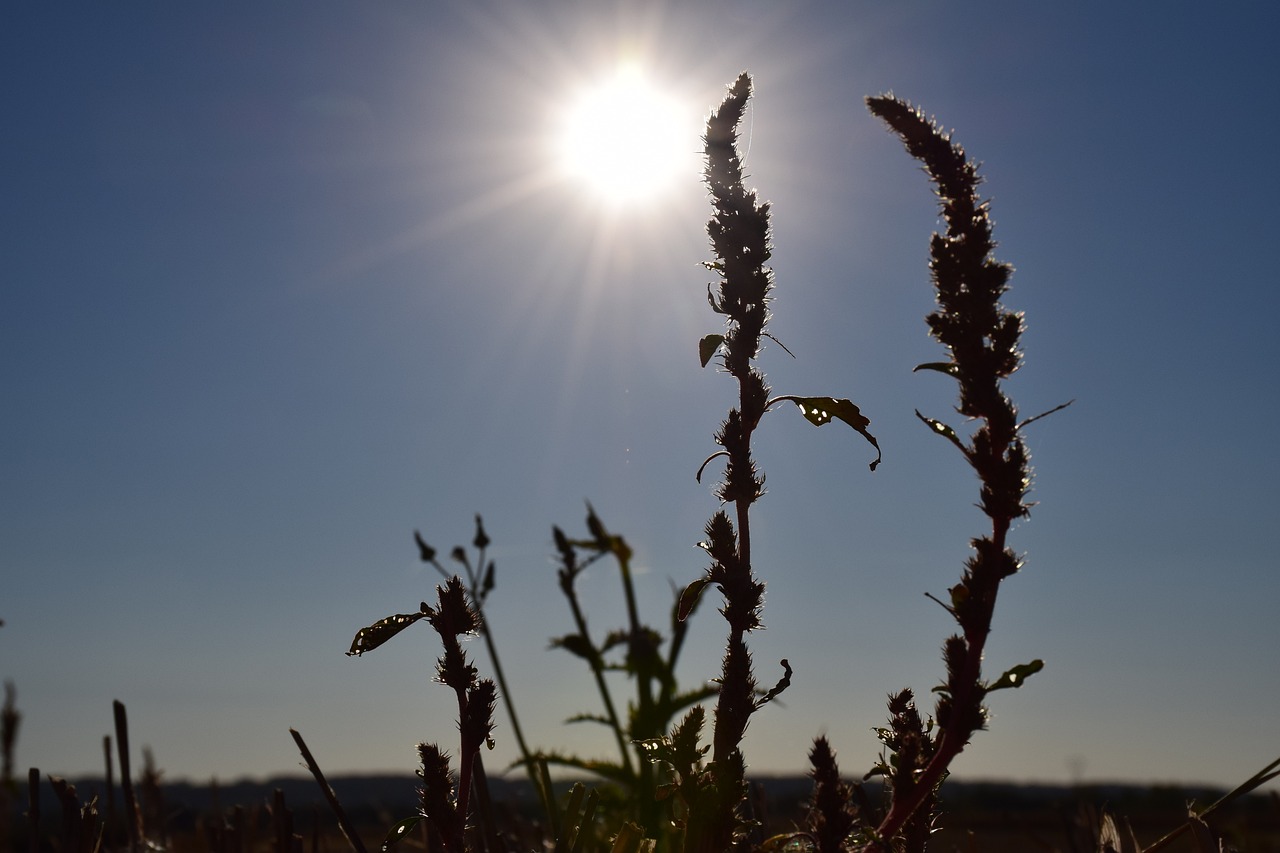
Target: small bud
425,551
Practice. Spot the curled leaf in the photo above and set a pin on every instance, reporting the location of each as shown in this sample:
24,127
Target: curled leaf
947,367
368,639
783,684
820,411
705,462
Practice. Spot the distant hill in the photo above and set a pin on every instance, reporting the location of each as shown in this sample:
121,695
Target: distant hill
1021,813
395,793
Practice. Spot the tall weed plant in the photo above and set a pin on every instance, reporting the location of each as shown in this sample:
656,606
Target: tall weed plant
678,781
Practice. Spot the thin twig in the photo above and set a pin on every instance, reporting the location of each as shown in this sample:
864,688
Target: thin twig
343,823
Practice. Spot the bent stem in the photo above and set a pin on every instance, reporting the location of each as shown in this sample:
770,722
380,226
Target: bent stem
983,340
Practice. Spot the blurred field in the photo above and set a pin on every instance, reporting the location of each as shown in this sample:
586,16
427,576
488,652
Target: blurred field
977,816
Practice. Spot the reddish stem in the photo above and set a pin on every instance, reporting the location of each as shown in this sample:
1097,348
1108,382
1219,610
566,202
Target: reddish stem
954,739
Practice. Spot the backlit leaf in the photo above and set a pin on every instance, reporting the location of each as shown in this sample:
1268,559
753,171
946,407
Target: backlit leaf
400,830
707,348
943,430
690,597
368,639
820,411
576,644
1014,677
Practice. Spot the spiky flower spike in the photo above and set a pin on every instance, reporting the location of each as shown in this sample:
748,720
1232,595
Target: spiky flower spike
437,803
454,617
832,814
739,233
982,338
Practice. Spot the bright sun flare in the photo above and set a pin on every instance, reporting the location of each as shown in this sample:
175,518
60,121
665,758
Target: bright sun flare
626,140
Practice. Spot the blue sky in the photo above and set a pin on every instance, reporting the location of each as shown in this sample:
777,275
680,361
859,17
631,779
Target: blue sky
282,284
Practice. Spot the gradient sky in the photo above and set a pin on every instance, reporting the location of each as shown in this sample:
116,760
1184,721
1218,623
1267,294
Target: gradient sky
282,283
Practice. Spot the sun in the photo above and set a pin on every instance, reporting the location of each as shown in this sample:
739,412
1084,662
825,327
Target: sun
626,140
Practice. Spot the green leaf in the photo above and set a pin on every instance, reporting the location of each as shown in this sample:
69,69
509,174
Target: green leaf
606,769
690,597
368,639
945,431
947,367
820,411
708,346
614,639
1014,677
400,830
576,644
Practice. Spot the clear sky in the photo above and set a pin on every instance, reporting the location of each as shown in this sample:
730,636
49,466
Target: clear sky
282,283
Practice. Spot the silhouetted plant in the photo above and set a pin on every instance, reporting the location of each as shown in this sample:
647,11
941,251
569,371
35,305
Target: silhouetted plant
481,580
658,698
740,238
444,808
836,807
698,804
10,720
982,339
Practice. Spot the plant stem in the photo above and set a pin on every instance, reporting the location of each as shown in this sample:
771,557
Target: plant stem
507,702
983,341
133,818
597,672
348,832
